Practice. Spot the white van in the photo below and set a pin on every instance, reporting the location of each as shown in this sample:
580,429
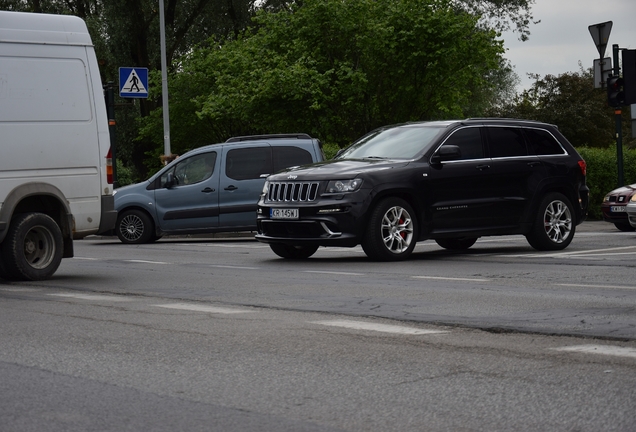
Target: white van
55,167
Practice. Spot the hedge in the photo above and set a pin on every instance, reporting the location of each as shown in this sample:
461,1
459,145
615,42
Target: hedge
602,174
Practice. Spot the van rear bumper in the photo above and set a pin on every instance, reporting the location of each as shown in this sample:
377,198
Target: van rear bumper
109,214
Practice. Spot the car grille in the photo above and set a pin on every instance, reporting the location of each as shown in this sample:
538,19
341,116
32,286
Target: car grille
292,191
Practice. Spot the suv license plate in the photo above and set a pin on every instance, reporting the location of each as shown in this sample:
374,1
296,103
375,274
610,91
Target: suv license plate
284,213
617,209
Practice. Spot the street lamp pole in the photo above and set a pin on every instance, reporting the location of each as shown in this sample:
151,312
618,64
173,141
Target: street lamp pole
164,83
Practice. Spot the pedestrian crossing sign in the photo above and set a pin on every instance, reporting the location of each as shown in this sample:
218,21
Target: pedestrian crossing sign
133,82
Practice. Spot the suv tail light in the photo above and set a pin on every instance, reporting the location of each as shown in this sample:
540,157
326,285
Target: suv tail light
109,167
583,167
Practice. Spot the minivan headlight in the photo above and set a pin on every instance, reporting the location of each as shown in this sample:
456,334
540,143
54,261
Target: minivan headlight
340,186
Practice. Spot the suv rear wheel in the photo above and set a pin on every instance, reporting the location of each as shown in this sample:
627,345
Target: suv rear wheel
392,231
553,227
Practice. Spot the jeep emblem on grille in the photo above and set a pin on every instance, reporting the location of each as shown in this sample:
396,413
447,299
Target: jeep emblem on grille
292,177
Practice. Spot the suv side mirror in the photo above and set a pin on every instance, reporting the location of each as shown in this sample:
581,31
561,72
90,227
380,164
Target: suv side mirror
445,153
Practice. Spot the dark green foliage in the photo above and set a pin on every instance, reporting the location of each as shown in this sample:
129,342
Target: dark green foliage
602,173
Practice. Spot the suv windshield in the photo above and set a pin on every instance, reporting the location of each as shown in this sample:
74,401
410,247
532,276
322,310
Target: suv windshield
402,142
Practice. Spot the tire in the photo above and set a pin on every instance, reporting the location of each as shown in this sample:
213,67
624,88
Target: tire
456,244
293,252
554,226
32,249
624,226
135,227
392,231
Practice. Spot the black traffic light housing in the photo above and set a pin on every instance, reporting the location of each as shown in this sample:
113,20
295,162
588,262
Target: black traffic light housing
615,93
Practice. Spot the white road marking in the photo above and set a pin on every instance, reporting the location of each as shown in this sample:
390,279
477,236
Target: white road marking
93,297
86,258
359,325
20,289
450,278
334,273
597,286
146,262
600,349
235,267
574,254
201,308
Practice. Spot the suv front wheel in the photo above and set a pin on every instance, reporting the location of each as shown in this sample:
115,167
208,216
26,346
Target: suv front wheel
554,226
293,252
392,231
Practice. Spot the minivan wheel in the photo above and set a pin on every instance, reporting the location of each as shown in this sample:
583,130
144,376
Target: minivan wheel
32,249
293,252
134,227
456,243
554,226
392,231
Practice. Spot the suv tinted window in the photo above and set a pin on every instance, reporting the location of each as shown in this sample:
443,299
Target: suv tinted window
506,142
541,142
248,163
285,156
469,142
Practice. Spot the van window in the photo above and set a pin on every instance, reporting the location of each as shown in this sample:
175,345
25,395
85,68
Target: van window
248,163
541,142
194,169
506,142
43,89
287,156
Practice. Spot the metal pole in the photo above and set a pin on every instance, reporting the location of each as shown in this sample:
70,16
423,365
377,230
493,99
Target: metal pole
619,130
164,83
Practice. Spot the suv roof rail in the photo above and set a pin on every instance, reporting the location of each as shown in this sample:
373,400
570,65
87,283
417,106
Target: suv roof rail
271,136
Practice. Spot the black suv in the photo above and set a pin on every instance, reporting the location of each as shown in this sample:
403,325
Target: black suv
450,181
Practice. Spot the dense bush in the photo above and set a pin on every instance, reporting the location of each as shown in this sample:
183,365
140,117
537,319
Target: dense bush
602,174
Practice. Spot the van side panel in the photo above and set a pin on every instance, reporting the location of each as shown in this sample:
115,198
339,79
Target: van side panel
54,143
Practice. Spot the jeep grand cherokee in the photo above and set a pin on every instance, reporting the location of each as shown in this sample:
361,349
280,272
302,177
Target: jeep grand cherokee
450,181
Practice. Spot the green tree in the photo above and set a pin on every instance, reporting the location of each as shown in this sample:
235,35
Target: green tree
571,102
337,69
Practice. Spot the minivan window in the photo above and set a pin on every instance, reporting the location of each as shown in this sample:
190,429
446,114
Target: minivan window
541,143
469,142
506,142
288,156
248,163
192,170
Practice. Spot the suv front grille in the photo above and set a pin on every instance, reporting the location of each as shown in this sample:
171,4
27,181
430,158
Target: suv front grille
292,191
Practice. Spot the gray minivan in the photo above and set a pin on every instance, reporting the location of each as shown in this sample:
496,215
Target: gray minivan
210,189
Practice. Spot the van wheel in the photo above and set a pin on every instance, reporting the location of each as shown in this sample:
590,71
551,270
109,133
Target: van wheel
392,231
293,252
32,249
553,227
456,243
135,227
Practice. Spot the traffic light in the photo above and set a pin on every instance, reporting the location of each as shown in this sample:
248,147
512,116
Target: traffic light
615,93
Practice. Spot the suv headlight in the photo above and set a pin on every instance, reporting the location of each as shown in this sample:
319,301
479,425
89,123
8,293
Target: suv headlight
340,186
633,198
265,188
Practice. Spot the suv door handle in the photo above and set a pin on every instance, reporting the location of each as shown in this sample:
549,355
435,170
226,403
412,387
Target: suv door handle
231,188
533,164
482,167
208,190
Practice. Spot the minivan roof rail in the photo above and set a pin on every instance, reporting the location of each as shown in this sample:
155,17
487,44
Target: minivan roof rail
271,136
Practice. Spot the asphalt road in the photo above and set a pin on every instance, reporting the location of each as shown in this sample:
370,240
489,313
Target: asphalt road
220,334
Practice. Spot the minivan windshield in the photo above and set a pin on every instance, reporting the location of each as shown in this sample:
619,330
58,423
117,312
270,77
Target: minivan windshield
401,142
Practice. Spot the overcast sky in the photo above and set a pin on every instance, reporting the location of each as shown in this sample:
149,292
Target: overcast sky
562,38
